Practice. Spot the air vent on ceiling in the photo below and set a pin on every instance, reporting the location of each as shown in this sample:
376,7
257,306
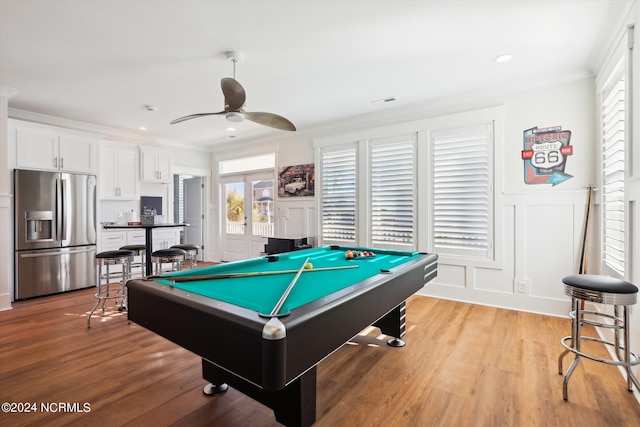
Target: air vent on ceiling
383,101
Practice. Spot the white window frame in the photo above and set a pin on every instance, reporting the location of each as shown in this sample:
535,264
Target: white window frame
456,246
320,179
609,237
619,59
407,139
424,221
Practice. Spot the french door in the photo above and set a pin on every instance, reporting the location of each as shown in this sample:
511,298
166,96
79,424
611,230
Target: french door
247,214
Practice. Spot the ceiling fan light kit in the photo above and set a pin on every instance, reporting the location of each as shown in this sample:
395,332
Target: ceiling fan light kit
235,116
234,98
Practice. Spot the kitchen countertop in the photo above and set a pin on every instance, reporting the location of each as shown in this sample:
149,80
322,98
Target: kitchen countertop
169,224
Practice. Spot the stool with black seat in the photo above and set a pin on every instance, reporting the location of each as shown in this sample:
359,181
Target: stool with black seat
173,256
139,250
601,290
192,253
112,283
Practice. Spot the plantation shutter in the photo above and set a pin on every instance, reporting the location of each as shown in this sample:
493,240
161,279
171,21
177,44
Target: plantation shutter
339,196
462,196
613,140
393,192
180,187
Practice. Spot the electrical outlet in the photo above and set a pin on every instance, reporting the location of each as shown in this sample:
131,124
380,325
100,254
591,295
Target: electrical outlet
522,286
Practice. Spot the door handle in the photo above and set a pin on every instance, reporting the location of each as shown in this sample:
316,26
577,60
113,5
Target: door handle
63,212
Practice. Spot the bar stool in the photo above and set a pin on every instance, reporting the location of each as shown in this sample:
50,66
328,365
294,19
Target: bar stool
173,256
602,290
112,284
139,250
192,253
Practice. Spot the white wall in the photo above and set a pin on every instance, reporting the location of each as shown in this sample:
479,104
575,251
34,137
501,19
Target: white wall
296,216
541,224
6,204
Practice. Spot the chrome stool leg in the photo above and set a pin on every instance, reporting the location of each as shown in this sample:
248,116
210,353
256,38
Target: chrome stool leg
191,253
107,288
631,378
576,316
601,290
174,256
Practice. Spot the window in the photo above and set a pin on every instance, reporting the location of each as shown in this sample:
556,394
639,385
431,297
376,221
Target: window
462,192
393,192
426,185
613,174
178,197
246,164
339,196
387,216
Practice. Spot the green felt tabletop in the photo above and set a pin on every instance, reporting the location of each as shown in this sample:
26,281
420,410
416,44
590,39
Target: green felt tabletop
261,293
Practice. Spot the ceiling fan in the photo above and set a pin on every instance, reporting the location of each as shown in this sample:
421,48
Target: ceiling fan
234,97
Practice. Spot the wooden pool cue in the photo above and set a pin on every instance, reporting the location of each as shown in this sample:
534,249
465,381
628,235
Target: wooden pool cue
249,274
284,296
584,252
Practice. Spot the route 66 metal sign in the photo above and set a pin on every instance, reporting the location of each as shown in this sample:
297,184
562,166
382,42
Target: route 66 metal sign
545,155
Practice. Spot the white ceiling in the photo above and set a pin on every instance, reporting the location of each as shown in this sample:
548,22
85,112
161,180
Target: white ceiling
313,62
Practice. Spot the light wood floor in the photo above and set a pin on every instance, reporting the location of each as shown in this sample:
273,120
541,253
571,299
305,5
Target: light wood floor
464,365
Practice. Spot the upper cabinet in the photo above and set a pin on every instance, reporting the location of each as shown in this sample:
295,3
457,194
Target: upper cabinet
155,165
45,147
119,172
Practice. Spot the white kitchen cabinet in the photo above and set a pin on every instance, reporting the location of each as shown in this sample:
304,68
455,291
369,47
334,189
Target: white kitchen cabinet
136,237
119,173
44,147
155,165
165,238
112,240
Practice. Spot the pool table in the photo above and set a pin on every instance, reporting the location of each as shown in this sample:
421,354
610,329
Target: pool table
272,358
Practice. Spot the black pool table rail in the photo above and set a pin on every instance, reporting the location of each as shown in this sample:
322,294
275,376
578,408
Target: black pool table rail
231,339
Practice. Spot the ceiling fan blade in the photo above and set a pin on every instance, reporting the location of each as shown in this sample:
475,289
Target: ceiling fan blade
271,120
195,116
234,95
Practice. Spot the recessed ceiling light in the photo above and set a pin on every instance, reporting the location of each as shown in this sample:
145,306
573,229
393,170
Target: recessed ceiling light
231,129
503,58
143,128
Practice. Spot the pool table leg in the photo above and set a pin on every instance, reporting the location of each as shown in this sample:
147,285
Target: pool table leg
294,405
211,389
394,324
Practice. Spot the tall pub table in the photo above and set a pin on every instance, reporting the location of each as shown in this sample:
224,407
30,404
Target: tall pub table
148,237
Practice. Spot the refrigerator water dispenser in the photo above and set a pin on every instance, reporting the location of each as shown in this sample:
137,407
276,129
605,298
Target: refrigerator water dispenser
39,226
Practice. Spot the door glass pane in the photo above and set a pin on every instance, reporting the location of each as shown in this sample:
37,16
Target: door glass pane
262,203
235,218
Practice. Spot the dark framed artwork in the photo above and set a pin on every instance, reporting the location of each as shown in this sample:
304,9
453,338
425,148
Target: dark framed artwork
297,181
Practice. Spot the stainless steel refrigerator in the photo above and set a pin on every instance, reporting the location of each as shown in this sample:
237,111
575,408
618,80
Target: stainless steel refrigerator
55,232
